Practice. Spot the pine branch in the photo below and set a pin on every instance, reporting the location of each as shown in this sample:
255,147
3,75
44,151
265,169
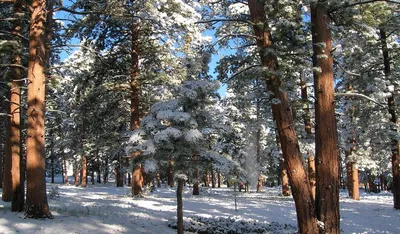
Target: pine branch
13,65
359,95
361,3
214,21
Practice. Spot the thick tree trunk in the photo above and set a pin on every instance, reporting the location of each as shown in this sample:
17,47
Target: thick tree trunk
281,110
393,118
326,138
179,210
84,171
18,190
311,174
36,197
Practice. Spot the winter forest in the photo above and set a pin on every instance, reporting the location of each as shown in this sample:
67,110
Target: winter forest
204,116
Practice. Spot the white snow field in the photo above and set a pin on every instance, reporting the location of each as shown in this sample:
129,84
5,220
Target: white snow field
107,209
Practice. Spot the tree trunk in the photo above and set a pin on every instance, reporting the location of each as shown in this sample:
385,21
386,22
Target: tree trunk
158,180
84,171
311,174
105,173
285,179
170,173
92,175
65,171
36,197
52,166
14,148
326,139
137,181
219,179
281,110
259,183
393,118
212,179
179,210
135,101
355,193
76,175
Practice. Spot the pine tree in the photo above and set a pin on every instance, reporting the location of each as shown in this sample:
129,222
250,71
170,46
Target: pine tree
36,197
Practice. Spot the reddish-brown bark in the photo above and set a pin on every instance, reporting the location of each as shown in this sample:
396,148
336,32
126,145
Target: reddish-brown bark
36,197
326,138
311,174
281,110
84,171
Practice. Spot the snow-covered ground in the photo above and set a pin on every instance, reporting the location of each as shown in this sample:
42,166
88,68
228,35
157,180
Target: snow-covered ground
107,209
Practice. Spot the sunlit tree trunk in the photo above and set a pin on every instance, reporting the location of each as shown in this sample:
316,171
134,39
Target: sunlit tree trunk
281,110
311,174
284,179
326,138
36,197
393,118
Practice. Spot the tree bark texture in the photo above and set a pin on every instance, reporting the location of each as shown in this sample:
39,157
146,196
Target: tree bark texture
393,118
179,210
18,190
285,179
281,110
311,174
355,190
36,197
137,181
326,138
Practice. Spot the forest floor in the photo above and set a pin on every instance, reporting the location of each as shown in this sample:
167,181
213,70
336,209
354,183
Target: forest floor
106,209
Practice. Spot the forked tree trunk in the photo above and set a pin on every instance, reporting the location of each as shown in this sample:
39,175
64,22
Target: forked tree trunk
326,138
84,171
179,210
36,197
393,118
311,174
281,110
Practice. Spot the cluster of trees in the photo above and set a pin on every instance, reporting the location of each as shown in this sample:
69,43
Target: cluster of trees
138,97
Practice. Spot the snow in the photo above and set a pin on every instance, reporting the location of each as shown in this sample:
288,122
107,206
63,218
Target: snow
107,209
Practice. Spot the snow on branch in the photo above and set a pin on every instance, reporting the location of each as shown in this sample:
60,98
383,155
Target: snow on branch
359,95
